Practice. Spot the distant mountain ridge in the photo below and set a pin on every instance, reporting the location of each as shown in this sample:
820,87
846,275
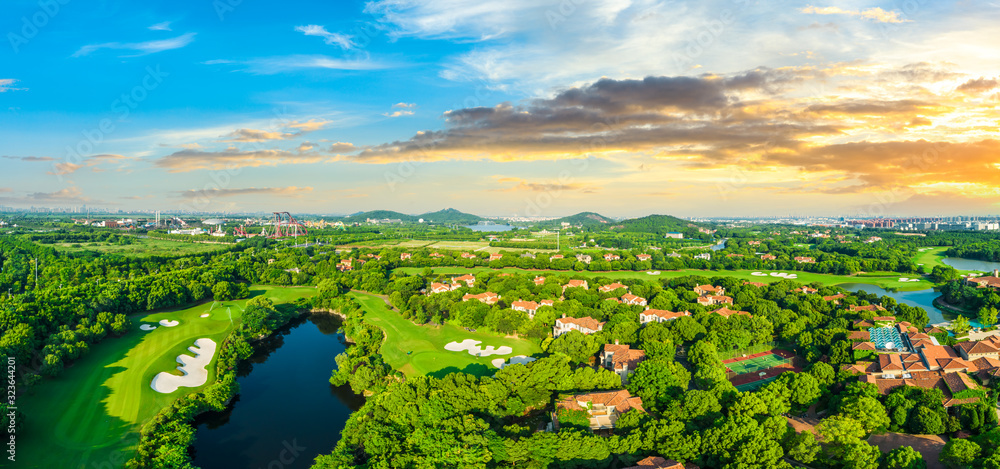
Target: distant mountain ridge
586,219
448,215
659,224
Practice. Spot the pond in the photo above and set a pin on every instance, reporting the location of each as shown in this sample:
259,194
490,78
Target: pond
972,264
920,298
721,245
287,412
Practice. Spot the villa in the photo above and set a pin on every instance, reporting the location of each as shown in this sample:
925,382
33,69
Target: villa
469,280
703,290
584,258
644,257
496,256
835,298
726,312
489,298
466,255
604,408
611,287
405,256
992,281
633,300
805,260
576,284
704,256
444,287
527,306
585,325
806,290
768,257
539,280
556,256
715,300
660,315
656,462
612,257
621,359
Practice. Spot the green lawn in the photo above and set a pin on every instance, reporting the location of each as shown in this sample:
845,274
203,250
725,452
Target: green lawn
803,277
419,350
89,416
143,247
933,257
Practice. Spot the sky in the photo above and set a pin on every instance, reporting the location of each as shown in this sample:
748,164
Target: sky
503,107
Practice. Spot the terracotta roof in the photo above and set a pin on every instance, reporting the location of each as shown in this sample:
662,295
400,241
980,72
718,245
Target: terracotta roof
539,280
932,353
576,283
838,296
859,335
863,346
863,324
978,347
806,290
756,284
611,287
708,288
546,303
726,312
656,462
665,314
860,367
881,318
623,356
890,362
585,322
465,278
526,305
643,257
621,400
933,330
487,297
632,299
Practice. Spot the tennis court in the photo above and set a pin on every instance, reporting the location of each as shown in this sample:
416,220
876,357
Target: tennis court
754,364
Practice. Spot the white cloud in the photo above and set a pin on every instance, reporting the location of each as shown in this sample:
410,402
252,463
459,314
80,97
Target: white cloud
272,65
875,14
7,84
164,26
398,114
342,40
404,105
140,48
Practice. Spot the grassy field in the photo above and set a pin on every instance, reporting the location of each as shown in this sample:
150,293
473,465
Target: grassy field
143,247
89,416
932,257
803,277
419,350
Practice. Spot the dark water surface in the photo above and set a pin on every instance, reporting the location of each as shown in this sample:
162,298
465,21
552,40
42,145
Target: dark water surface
287,412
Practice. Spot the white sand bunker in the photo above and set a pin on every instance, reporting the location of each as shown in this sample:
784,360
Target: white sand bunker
758,274
194,368
474,349
515,360
904,279
168,323
655,272
784,275
204,315
147,327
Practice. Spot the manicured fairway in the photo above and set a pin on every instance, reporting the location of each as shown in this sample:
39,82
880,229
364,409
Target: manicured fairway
934,257
89,415
143,247
427,343
802,277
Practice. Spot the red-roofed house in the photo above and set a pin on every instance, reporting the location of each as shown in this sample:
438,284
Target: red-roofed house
611,287
992,281
466,255
604,407
470,280
527,306
978,349
621,359
612,257
756,284
586,325
806,290
753,243
656,462
660,315
443,287
405,256
768,257
804,260
539,280
726,312
643,257
489,298
437,254
835,298
633,300
576,284
703,290
868,308
556,256
714,300
496,256
546,303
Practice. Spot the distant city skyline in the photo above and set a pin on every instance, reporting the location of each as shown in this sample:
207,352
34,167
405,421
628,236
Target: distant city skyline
503,108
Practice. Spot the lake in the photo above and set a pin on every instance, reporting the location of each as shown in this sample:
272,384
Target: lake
971,264
920,298
286,403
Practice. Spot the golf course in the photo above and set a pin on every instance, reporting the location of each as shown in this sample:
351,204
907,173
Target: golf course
886,281
420,349
89,415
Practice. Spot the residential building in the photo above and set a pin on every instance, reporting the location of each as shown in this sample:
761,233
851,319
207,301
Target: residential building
805,260
556,256
726,312
576,284
992,281
704,256
527,306
660,315
656,462
584,258
469,280
612,257
715,300
622,359
644,257
466,255
405,256
539,280
806,290
674,235
611,287
979,349
604,408
704,290
444,287
586,325
489,298
496,257
756,284
835,298
633,300
767,257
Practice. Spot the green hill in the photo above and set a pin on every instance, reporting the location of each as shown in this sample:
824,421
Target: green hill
589,220
659,224
451,216
379,215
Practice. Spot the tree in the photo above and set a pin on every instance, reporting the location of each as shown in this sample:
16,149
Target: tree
579,347
960,325
802,447
222,291
925,421
943,273
988,315
868,411
823,372
904,457
861,456
658,382
839,432
959,453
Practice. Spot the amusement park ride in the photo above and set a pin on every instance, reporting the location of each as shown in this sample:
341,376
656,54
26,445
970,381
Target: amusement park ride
283,225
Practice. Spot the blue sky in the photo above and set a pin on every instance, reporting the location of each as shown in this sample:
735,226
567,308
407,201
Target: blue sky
502,107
